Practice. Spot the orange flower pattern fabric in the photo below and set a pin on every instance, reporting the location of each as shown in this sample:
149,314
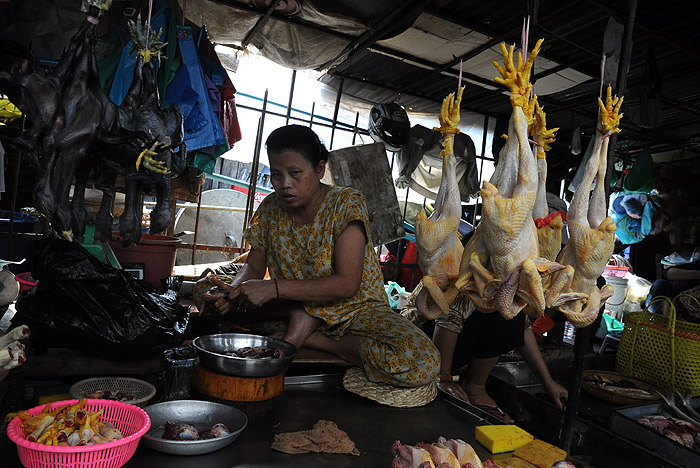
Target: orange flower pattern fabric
393,350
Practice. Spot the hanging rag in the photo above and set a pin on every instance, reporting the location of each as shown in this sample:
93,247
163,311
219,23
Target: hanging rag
582,166
634,204
652,220
575,145
625,232
420,163
642,176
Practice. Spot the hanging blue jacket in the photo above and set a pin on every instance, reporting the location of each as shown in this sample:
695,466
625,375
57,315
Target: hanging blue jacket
190,91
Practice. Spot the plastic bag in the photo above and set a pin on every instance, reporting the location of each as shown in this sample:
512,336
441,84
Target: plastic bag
393,292
575,145
83,304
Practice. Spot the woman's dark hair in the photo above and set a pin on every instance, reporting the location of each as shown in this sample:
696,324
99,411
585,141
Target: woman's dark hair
297,138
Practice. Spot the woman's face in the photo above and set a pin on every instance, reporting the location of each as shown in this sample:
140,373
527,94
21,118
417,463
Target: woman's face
294,178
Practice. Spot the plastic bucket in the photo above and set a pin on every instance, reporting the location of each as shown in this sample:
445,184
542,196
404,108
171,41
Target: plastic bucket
615,302
155,253
25,281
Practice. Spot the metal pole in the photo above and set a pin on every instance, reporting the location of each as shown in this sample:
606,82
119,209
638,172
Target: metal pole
311,117
581,341
291,95
250,203
196,225
622,72
338,96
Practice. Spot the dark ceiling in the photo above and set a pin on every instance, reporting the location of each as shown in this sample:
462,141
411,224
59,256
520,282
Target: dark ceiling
662,104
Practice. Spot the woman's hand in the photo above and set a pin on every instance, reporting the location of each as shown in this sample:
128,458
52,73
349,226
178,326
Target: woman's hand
252,294
558,393
221,297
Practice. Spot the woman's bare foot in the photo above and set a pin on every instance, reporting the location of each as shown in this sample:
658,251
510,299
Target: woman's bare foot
482,400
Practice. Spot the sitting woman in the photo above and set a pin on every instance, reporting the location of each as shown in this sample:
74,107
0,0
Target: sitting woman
681,278
325,275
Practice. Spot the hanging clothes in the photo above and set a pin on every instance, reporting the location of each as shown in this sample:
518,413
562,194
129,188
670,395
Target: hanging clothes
217,73
420,163
189,90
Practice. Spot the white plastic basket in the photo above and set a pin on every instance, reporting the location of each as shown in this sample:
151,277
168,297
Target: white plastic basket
142,391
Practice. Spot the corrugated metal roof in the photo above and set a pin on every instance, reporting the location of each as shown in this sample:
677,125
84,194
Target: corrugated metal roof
416,55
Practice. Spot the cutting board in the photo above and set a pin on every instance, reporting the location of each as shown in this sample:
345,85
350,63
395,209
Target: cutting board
366,168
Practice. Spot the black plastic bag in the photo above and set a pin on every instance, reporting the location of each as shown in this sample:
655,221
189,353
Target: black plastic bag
84,304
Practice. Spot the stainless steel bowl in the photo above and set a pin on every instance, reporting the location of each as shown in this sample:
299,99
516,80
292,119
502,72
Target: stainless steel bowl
201,414
213,348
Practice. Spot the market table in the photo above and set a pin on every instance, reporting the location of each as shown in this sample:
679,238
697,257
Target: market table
306,399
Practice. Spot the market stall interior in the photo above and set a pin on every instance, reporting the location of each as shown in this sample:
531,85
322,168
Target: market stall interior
523,165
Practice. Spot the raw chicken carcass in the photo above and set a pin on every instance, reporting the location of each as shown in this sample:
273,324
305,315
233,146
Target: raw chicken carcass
442,456
574,291
466,456
408,456
439,248
501,269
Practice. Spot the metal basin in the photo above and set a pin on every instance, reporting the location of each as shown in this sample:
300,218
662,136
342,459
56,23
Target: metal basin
213,348
201,414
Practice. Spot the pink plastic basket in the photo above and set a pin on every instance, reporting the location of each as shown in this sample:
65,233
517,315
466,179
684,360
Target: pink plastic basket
132,422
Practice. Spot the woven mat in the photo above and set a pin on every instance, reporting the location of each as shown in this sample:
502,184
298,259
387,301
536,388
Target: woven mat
355,381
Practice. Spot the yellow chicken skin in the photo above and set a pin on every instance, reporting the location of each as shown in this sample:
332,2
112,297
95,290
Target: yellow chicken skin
591,233
439,248
501,269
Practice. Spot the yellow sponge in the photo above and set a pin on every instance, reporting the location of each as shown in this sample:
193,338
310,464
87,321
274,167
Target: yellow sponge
502,438
513,462
540,453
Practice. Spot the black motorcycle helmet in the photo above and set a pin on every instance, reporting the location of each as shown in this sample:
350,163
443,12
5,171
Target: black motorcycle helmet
388,124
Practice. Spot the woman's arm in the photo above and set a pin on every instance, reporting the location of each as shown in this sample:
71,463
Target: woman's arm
533,356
